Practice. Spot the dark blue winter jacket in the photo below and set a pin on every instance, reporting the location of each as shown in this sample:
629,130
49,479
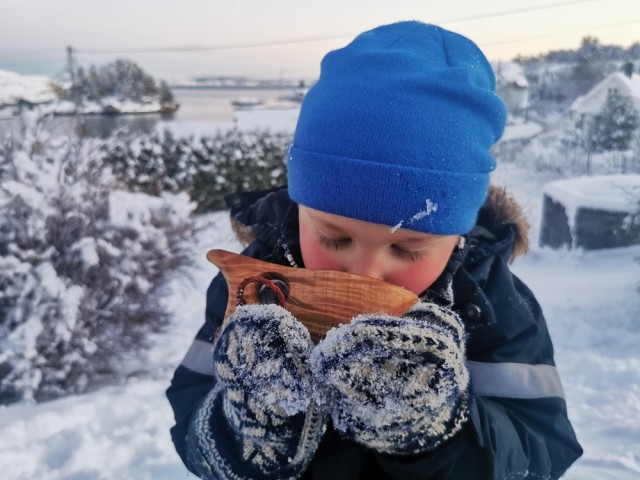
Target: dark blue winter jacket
518,425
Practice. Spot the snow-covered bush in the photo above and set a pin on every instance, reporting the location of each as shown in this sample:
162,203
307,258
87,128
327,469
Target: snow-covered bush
207,168
152,163
83,267
576,148
566,151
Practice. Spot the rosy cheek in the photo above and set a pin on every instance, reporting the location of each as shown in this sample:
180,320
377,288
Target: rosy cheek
317,257
415,278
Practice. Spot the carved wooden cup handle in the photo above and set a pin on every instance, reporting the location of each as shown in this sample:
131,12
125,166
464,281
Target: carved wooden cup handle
320,299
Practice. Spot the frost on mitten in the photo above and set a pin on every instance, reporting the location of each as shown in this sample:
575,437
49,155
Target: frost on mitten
396,385
260,420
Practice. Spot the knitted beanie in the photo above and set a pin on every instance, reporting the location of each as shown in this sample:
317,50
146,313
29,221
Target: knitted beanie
398,131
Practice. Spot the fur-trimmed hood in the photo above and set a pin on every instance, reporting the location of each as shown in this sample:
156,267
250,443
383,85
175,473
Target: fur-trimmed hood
271,217
503,216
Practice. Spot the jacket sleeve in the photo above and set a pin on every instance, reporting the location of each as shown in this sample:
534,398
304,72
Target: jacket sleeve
193,379
519,414
518,426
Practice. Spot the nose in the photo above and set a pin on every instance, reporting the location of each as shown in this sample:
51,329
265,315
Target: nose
368,265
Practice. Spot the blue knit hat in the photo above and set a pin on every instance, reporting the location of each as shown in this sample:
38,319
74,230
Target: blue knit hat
398,129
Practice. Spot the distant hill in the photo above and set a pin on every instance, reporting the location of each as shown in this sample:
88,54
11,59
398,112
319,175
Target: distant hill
237,82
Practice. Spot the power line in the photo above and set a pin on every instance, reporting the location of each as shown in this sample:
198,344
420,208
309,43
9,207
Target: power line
514,11
524,39
292,41
195,48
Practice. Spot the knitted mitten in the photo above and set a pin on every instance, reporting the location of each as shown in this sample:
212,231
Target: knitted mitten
260,420
396,385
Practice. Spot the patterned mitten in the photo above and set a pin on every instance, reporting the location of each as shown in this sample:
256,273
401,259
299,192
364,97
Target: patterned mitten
396,385
260,420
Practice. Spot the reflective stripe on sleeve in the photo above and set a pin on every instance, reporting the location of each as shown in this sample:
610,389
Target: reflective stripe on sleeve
515,380
199,358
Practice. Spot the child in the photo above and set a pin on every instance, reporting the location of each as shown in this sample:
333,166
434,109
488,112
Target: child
388,176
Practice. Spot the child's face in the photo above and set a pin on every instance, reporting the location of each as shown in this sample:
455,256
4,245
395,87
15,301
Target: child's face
410,259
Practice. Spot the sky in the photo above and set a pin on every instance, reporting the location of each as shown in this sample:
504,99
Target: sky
285,38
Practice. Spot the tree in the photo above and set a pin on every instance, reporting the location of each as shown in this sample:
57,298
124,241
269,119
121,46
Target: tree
590,49
614,127
94,87
82,83
165,93
123,79
590,67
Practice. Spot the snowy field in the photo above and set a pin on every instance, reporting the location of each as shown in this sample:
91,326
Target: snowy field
591,301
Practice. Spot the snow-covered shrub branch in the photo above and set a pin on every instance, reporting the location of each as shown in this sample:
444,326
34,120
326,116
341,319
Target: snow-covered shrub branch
206,168
83,267
569,151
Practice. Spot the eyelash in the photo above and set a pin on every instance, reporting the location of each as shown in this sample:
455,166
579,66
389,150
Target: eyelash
333,243
338,243
406,254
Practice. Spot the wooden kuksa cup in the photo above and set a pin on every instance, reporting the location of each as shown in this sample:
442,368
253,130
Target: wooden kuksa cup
320,299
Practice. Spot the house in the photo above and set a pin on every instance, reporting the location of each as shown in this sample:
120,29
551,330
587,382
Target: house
627,82
512,87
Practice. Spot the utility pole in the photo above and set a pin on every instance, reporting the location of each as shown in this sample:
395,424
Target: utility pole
75,92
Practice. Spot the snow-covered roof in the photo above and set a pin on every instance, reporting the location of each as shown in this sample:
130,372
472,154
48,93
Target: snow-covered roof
33,88
615,193
510,73
521,130
593,102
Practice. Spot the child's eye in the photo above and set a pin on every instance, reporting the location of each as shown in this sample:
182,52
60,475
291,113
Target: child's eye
406,254
333,243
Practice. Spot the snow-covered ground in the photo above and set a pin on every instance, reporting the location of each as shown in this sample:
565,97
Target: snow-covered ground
591,301
117,433
592,305
106,104
33,88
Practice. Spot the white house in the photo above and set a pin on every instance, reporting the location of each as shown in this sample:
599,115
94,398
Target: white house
512,86
626,82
